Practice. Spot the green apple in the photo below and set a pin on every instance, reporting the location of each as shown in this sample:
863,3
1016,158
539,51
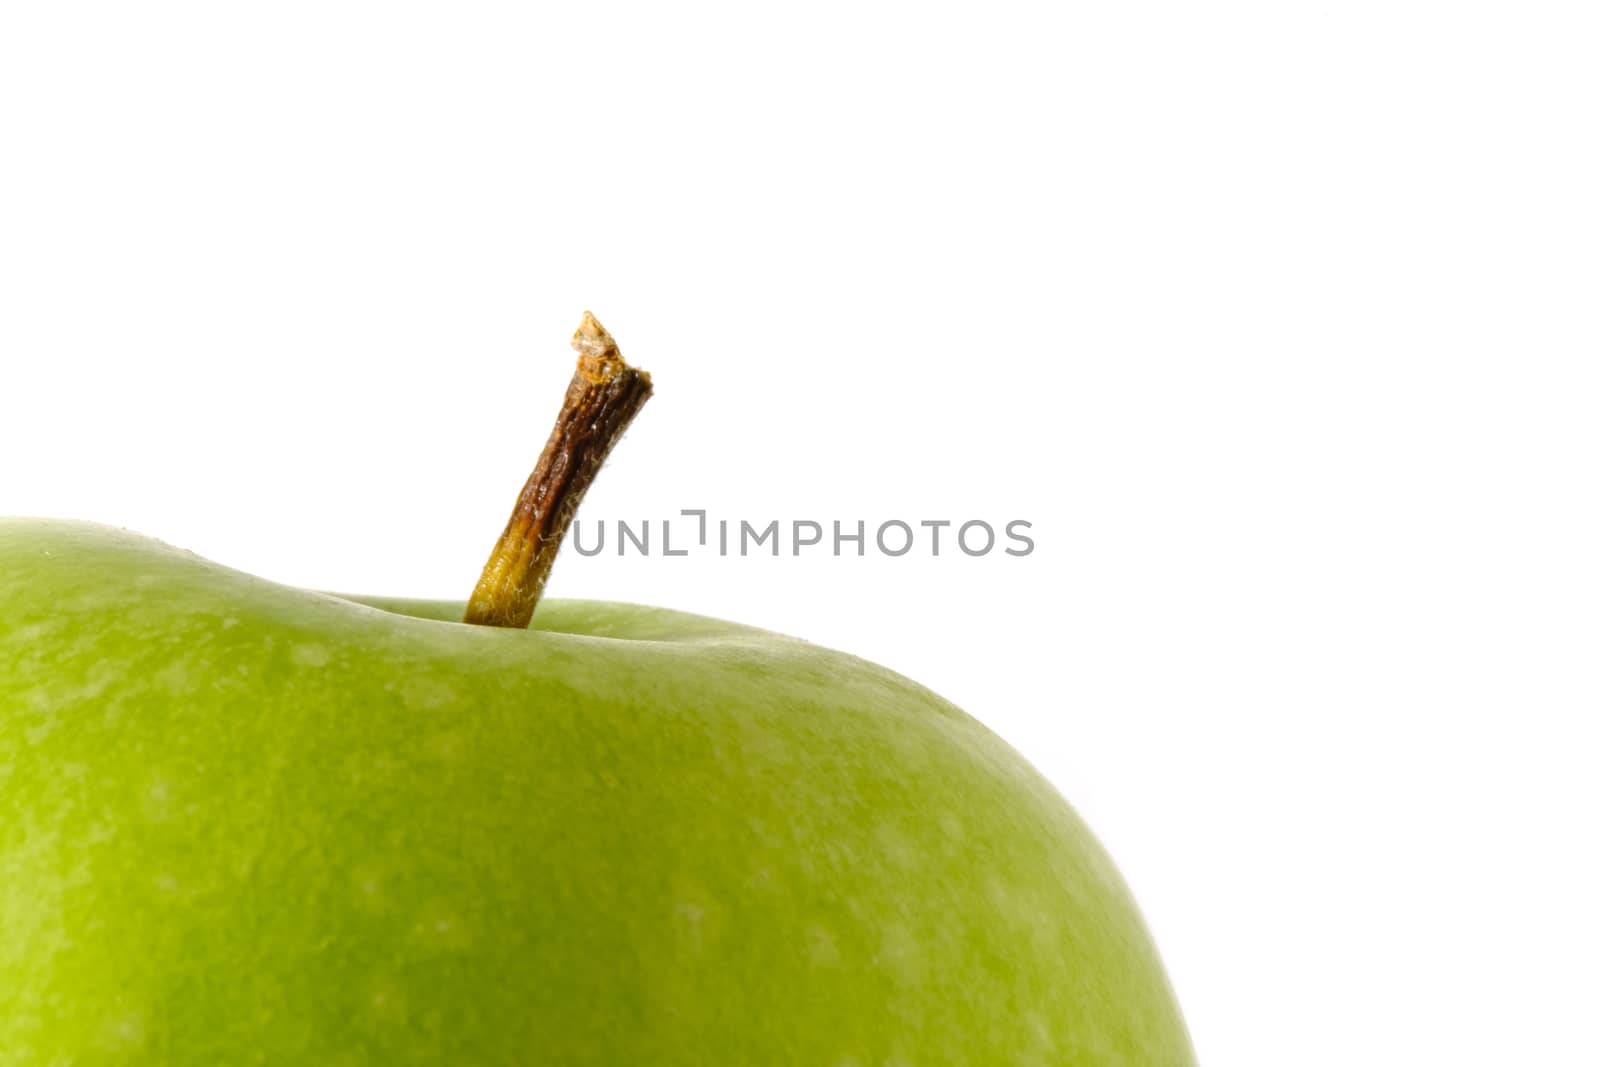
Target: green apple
247,823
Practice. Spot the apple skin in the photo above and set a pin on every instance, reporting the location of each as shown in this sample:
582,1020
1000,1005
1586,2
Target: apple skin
247,823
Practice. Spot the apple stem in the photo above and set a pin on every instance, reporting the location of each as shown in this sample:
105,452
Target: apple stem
602,399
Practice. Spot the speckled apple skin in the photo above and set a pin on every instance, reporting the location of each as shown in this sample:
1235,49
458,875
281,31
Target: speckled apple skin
246,823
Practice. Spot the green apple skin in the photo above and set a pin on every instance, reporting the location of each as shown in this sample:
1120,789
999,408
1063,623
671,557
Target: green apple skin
246,823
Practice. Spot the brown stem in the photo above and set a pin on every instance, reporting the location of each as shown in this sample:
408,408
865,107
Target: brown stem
603,397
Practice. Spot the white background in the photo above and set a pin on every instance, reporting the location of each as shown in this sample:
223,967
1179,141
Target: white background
1278,321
